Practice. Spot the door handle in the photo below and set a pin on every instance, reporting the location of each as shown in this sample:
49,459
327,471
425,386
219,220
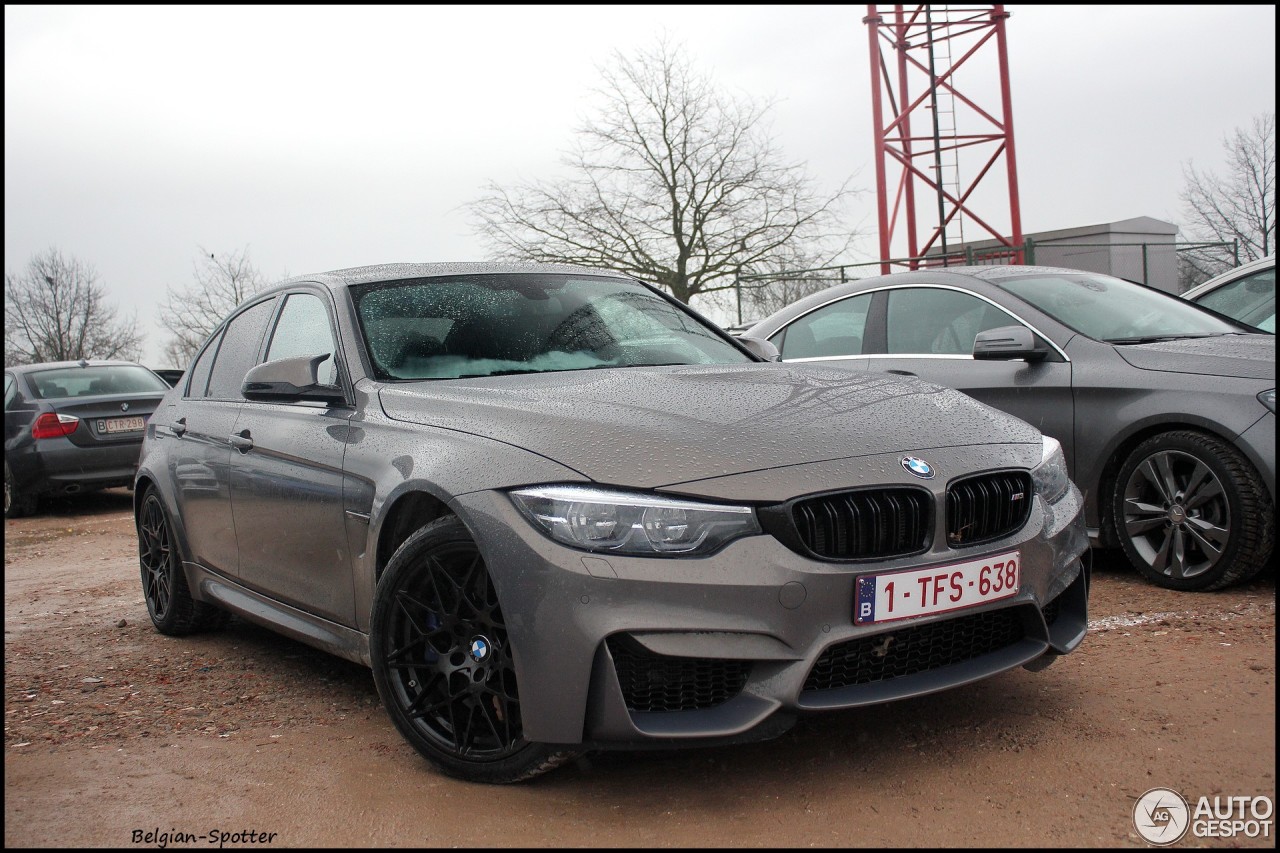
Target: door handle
901,372
241,441
179,427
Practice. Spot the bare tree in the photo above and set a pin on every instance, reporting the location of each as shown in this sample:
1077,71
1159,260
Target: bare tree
1239,206
56,310
673,181
191,313
772,285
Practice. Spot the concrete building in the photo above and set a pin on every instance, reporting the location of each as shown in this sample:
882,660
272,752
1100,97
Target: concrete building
1140,249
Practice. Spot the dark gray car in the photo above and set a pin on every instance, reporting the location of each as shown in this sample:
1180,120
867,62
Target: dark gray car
555,510
1166,412
73,426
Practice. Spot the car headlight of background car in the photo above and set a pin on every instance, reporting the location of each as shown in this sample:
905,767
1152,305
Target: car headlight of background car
1268,399
629,523
1050,476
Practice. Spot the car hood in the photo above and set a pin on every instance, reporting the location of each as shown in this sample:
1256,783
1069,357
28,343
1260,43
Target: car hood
653,426
1241,356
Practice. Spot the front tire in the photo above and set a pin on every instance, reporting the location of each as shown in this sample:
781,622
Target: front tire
1191,513
443,664
164,582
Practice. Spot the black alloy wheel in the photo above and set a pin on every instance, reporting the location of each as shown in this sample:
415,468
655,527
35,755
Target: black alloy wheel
164,583
155,554
1192,513
443,664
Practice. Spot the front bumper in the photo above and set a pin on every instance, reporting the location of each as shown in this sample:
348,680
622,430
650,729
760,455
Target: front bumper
628,650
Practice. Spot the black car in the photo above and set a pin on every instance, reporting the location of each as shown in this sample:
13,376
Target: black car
73,426
1165,411
169,374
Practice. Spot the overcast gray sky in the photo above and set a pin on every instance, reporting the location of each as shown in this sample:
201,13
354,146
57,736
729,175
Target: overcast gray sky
330,136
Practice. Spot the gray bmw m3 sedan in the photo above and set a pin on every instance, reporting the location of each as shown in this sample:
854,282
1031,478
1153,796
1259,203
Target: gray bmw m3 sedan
555,510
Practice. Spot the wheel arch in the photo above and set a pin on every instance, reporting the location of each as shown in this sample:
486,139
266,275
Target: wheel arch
408,512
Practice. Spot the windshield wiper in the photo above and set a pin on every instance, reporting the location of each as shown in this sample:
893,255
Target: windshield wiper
494,373
644,364
569,369
1152,339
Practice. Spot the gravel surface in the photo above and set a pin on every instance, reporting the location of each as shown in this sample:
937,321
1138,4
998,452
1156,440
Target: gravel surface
243,738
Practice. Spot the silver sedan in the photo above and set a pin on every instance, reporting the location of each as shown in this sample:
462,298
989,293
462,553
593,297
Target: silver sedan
555,510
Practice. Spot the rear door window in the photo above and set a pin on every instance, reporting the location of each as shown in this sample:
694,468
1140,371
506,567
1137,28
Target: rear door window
830,331
238,352
199,381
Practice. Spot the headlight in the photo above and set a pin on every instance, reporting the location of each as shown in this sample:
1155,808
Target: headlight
1268,399
628,523
1050,476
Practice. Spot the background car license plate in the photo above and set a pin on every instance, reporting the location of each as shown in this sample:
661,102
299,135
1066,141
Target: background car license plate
919,592
124,424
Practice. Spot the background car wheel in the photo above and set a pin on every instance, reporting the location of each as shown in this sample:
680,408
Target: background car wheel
1191,513
164,584
442,660
16,503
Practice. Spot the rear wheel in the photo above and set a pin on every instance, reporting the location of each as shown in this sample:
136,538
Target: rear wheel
16,502
1192,513
164,583
442,661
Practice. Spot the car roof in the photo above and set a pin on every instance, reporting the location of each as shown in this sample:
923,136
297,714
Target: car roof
958,276
337,279
53,365
1230,275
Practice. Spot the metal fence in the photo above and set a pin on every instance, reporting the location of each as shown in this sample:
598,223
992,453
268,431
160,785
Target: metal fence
1169,266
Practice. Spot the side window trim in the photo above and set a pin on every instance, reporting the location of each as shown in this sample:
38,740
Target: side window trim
878,315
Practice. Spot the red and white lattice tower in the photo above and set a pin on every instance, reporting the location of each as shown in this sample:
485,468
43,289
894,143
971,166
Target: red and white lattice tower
927,130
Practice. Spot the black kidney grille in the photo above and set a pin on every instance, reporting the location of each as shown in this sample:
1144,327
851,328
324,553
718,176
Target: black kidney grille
864,524
987,507
907,651
653,682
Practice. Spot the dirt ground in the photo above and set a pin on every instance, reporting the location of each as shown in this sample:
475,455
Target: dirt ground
242,738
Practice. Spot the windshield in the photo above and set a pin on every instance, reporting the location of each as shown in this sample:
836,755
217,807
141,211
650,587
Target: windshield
1250,300
490,325
1114,310
94,380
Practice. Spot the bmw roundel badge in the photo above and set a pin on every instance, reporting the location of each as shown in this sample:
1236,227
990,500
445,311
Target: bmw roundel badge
917,466
479,649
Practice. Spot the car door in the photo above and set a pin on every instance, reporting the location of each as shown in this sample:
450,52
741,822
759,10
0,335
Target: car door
286,477
928,331
834,333
199,424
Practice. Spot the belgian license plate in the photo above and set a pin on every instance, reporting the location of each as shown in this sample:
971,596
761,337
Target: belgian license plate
113,425
921,592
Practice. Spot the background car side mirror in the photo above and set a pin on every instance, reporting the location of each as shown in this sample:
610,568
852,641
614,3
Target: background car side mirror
760,347
290,380
1008,343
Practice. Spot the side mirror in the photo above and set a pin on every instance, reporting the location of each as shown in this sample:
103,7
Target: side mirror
760,347
290,380
1008,343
